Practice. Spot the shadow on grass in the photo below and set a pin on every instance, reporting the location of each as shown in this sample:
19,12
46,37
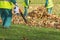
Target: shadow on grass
1,39
1,26
8,39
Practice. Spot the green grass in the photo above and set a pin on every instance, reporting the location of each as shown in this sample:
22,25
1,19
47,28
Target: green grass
19,32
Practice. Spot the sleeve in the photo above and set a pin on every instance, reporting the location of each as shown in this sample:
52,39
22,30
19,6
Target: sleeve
46,3
13,1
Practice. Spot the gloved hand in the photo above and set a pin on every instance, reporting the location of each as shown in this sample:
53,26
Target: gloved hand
16,10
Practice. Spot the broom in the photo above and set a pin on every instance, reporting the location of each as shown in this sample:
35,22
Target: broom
25,20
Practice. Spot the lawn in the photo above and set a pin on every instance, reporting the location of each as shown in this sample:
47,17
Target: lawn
24,32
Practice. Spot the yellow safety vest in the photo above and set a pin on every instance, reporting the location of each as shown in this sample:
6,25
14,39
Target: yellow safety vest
50,4
6,4
25,5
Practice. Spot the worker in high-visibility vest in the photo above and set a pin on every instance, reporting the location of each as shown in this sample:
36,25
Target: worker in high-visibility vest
49,5
6,12
26,6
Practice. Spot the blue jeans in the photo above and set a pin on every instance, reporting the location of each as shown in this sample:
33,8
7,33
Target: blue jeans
6,16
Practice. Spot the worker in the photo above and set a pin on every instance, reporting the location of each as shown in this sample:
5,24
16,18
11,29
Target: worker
49,6
6,12
26,6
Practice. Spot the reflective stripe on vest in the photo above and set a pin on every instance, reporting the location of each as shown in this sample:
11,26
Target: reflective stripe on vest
6,4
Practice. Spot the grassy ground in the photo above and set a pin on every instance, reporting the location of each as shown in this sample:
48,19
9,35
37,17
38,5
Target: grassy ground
22,32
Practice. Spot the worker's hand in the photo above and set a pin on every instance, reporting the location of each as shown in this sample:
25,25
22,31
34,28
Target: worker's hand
16,9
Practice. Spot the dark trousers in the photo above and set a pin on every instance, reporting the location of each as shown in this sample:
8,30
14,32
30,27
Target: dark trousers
6,16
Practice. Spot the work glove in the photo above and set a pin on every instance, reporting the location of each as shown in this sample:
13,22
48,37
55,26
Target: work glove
16,9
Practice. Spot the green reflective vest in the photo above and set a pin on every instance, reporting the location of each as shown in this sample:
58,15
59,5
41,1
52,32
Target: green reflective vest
50,4
6,4
26,3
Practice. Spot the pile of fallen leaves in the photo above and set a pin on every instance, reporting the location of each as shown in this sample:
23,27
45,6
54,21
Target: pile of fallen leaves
17,19
39,17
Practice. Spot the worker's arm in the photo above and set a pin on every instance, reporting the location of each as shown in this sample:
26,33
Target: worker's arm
16,8
13,1
46,3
